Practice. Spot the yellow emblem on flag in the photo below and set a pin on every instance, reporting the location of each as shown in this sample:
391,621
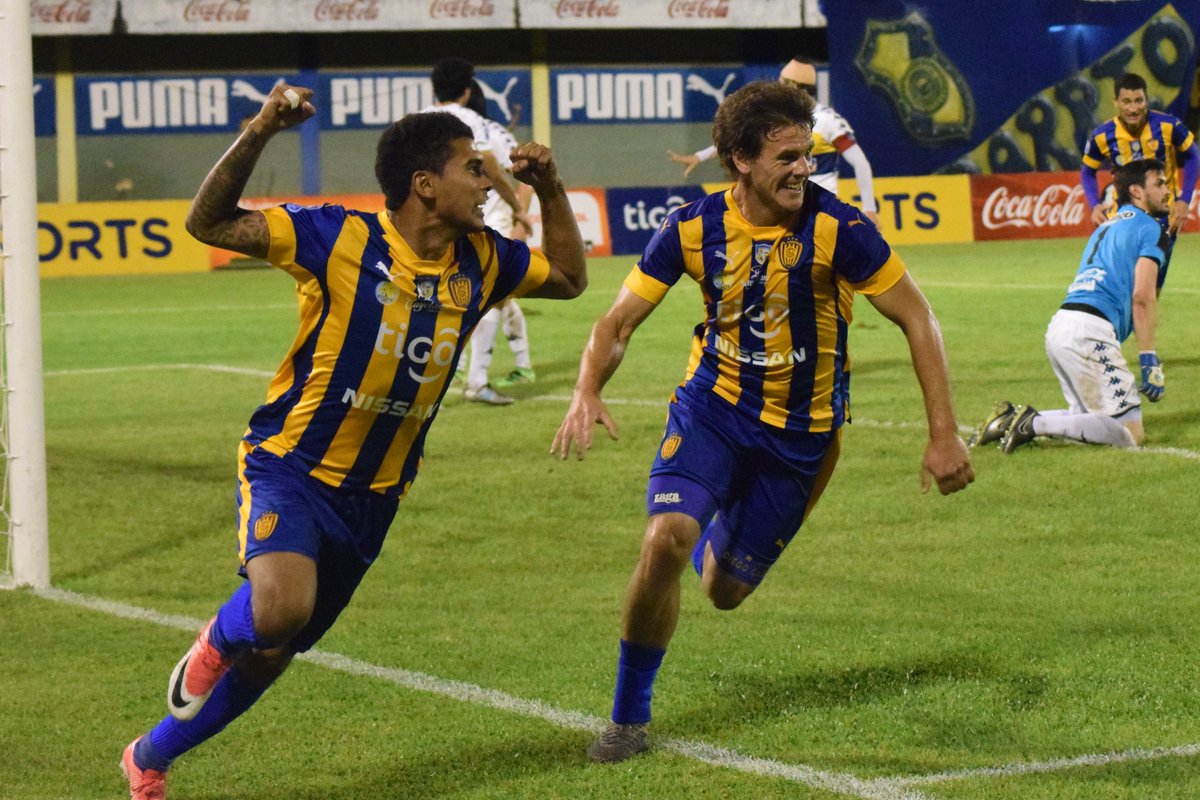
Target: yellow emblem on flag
789,252
460,289
671,445
265,525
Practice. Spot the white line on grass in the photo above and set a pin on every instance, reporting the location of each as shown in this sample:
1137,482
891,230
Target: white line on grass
125,312
836,782
1178,452
1041,287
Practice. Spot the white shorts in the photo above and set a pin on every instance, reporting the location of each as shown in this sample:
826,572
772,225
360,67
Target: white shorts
1086,356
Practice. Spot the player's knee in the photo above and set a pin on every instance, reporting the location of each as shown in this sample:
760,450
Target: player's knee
670,540
726,593
280,612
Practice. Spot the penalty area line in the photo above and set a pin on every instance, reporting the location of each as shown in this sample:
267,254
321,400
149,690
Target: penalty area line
836,782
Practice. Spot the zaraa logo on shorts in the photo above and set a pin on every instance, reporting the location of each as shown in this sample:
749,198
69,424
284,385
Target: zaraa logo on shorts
668,498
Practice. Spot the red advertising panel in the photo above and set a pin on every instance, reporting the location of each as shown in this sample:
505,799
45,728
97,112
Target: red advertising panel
1038,205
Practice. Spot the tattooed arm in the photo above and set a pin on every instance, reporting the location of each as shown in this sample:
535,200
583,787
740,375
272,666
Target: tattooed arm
215,217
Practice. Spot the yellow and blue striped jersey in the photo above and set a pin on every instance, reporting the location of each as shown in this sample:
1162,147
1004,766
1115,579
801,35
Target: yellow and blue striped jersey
1162,137
778,302
381,332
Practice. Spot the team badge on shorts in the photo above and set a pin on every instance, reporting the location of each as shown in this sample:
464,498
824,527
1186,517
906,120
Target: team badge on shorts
460,289
265,525
387,293
670,446
789,252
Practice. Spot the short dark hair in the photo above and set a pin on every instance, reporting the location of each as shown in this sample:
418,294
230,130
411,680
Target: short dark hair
1131,81
749,115
1134,174
415,143
477,102
451,77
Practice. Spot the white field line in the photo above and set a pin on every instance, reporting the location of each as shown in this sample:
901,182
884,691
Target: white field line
836,782
1040,287
1177,452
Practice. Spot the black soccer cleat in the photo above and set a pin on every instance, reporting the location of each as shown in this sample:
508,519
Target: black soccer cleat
1021,430
995,426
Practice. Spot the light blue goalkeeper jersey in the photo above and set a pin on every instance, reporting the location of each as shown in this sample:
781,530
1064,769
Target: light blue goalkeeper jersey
1105,277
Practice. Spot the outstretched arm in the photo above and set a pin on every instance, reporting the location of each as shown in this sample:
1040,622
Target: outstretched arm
603,354
215,217
946,458
534,164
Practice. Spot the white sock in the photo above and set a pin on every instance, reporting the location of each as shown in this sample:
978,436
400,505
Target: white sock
1087,428
482,339
513,322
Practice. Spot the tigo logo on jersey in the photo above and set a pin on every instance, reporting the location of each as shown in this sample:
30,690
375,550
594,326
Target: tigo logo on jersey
265,525
670,446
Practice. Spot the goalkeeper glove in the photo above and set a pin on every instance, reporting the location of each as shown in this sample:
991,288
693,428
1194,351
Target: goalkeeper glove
1153,385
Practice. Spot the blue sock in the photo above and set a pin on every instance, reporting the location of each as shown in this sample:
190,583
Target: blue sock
234,631
231,697
636,670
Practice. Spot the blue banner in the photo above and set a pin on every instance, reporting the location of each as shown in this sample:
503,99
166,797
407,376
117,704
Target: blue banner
43,107
963,86
125,104
634,214
641,95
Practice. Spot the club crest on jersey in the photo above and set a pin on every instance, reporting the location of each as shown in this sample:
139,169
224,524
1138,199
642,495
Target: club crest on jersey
761,251
387,293
670,446
789,252
265,525
460,289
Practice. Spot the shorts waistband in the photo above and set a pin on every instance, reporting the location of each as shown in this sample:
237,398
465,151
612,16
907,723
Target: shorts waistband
1085,308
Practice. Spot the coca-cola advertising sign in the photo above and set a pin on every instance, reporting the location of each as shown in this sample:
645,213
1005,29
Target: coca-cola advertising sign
302,16
1037,205
666,14
58,17
587,9
461,9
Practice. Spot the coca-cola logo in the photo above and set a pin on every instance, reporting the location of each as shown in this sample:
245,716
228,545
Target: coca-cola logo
1058,205
61,12
459,9
346,10
704,9
588,8
217,11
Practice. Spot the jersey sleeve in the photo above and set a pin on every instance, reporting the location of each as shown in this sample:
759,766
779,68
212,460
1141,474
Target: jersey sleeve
1153,242
1181,137
1093,155
865,259
302,238
660,266
521,270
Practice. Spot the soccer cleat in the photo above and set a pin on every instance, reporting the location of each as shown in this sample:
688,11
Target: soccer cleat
486,394
995,426
1020,431
194,677
619,742
144,784
518,376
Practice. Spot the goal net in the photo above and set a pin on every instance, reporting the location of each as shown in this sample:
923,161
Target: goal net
24,540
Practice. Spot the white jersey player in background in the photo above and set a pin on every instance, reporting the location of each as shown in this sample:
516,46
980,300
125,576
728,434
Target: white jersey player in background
455,88
832,138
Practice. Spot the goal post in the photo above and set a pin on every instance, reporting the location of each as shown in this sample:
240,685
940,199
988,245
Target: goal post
25,529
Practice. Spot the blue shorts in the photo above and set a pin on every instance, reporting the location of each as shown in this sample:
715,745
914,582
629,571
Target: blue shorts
283,509
759,481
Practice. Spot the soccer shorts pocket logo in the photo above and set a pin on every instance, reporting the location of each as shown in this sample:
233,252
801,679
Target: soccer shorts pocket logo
670,446
265,525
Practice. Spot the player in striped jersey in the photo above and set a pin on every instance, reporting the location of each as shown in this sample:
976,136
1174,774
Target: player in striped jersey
1138,132
389,300
753,431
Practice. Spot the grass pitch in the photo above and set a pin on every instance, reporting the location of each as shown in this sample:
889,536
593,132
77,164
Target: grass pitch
1031,637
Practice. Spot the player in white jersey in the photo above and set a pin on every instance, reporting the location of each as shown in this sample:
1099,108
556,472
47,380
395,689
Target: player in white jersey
499,215
1112,296
454,86
832,138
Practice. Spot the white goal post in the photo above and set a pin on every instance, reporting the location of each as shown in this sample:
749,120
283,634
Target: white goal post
24,529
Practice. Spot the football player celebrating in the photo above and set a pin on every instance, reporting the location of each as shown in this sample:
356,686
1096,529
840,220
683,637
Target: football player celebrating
753,432
389,302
